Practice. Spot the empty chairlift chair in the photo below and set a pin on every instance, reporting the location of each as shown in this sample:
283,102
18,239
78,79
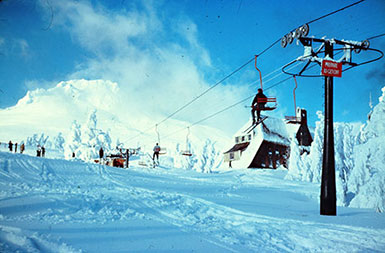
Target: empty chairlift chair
294,119
187,151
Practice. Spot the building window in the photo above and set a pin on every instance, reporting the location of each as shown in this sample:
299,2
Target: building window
243,138
236,139
231,155
249,137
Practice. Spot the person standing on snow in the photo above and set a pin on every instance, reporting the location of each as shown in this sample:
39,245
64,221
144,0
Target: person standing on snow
101,154
38,151
42,151
15,147
258,106
22,147
10,145
156,152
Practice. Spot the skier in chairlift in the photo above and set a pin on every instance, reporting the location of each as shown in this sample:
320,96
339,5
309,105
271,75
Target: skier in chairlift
156,152
258,106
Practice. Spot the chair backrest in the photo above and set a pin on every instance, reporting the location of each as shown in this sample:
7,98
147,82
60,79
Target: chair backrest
267,100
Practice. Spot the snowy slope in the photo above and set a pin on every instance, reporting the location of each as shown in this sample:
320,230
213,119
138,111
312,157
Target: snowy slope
52,205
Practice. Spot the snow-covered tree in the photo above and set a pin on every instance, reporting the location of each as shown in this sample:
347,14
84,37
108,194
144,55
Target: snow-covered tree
209,159
37,139
58,142
119,144
85,141
359,160
367,179
74,141
307,167
185,162
299,167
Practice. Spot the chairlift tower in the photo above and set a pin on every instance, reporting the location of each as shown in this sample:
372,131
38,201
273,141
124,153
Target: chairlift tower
329,68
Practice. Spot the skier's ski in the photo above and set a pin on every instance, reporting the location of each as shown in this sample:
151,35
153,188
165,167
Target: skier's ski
251,128
247,129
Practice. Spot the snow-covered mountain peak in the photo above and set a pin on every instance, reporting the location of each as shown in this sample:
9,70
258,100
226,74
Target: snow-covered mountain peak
53,110
95,93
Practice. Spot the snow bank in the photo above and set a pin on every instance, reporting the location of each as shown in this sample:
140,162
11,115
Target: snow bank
359,160
55,205
367,183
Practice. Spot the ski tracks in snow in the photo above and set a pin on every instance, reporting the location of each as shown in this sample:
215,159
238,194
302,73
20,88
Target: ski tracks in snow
13,239
54,191
240,230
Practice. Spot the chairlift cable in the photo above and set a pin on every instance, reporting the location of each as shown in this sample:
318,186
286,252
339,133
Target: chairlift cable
225,109
207,90
334,12
237,103
377,36
241,67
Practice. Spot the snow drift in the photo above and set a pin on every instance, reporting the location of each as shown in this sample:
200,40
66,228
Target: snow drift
56,205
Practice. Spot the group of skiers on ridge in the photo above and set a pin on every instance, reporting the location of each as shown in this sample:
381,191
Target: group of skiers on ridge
40,151
10,147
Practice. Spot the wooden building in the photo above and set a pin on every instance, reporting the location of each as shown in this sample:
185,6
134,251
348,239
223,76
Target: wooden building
268,144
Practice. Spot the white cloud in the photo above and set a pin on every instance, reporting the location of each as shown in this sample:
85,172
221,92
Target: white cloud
24,48
100,30
159,68
37,84
16,47
2,42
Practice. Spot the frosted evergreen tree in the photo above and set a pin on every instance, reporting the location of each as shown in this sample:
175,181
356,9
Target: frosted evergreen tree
316,150
299,168
58,142
37,140
92,139
119,144
307,167
182,161
209,159
342,171
89,130
104,140
89,140
74,141
367,179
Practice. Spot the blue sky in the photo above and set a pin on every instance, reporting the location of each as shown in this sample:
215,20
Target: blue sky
164,53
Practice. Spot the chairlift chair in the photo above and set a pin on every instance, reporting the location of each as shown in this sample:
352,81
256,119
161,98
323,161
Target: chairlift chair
145,160
265,100
294,119
163,150
187,151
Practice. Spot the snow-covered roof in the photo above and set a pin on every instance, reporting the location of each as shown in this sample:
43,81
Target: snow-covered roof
239,146
292,129
271,129
274,130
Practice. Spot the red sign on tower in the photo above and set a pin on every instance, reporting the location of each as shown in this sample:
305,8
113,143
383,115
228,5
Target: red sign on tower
331,68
